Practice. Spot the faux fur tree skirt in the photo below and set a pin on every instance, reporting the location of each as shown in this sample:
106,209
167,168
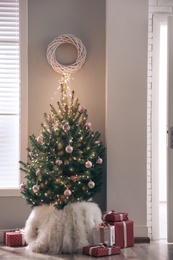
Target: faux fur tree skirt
49,230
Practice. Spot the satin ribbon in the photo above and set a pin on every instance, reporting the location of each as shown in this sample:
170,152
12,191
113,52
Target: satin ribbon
125,233
106,213
121,217
101,229
21,231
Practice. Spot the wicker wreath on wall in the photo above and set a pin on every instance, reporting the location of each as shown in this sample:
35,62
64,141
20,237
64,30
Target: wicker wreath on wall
81,54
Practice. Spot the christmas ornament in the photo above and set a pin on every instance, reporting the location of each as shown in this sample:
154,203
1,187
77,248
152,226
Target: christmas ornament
66,127
36,188
22,186
30,154
73,178
40,139
58,162
81,110
69,149
60,153
67,192
37,172
88,125
88,164
99,160
60,146
91,184
51,120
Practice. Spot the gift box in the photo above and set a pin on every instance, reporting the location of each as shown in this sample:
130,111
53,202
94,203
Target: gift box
115,216
101,250
124,233
4,237
104,234
13,239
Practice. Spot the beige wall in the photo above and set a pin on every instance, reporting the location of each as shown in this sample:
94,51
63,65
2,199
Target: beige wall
126,67
47,19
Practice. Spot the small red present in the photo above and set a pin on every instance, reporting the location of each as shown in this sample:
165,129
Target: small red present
115,216
104,234
13,239
124,233
101,250
5,234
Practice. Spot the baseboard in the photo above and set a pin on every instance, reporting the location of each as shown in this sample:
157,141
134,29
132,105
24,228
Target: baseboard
141,240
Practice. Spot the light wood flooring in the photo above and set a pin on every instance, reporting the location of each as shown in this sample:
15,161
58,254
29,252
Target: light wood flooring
155,250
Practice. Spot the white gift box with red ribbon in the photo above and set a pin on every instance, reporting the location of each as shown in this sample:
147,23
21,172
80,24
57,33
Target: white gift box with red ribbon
104,234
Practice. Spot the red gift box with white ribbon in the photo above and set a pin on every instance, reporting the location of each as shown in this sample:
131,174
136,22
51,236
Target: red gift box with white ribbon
114,216
124,233
13,239
101,250
104,234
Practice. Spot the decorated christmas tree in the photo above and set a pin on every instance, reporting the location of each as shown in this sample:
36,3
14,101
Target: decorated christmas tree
65,162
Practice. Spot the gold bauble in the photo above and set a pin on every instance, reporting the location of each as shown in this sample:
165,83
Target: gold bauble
60,146
57,180
60,153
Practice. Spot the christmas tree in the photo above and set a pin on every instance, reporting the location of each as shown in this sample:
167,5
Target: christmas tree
65,162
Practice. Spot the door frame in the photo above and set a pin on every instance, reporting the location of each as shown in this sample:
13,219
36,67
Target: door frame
170,124
158,21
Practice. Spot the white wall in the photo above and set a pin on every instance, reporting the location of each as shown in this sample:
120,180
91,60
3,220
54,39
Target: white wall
126,63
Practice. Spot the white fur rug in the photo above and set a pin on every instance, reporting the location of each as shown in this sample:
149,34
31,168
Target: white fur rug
49,230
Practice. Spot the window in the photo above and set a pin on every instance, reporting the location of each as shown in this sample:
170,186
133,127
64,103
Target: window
13,93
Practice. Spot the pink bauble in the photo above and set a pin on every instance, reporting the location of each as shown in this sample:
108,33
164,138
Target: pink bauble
30,154
88,125
37,172
81,110
22,186
69,149
36,188
40,139
73,178
66,127
67,192
88,164
99,161
91,184
58,162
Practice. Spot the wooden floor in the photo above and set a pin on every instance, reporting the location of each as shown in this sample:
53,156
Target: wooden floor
155,250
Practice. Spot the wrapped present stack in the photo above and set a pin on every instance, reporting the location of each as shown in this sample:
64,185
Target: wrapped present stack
14,238
104,241
123,227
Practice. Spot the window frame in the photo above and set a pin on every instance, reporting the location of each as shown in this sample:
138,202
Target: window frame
23,139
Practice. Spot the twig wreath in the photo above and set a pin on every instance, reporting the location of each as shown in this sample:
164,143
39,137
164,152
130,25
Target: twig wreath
81,54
